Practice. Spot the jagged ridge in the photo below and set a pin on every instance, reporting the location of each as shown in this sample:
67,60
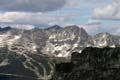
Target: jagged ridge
56,41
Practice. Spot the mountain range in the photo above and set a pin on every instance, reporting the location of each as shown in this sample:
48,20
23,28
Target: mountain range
54,41
33,54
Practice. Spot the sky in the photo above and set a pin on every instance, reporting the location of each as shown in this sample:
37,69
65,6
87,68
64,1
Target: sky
94,15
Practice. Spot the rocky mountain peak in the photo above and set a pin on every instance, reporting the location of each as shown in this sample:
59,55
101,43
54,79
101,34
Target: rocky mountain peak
106,39
103,34
55,27
83,31
72,28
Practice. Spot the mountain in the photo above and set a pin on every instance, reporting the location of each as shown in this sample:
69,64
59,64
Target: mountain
32,54
55,27
5,28
63,41
24,65
56,41
106,39
91,64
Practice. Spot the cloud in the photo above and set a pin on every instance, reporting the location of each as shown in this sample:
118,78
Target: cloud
31,5
35,18
42,5
93,26
110,11
84,3
115,29
24,27
36,12
99,28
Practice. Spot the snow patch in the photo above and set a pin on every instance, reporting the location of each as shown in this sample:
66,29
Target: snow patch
8,39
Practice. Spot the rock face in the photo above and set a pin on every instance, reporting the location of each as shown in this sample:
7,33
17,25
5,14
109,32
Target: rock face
55,41
63,41
105,39
92,64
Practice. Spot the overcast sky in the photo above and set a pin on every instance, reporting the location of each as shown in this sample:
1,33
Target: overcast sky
95,15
